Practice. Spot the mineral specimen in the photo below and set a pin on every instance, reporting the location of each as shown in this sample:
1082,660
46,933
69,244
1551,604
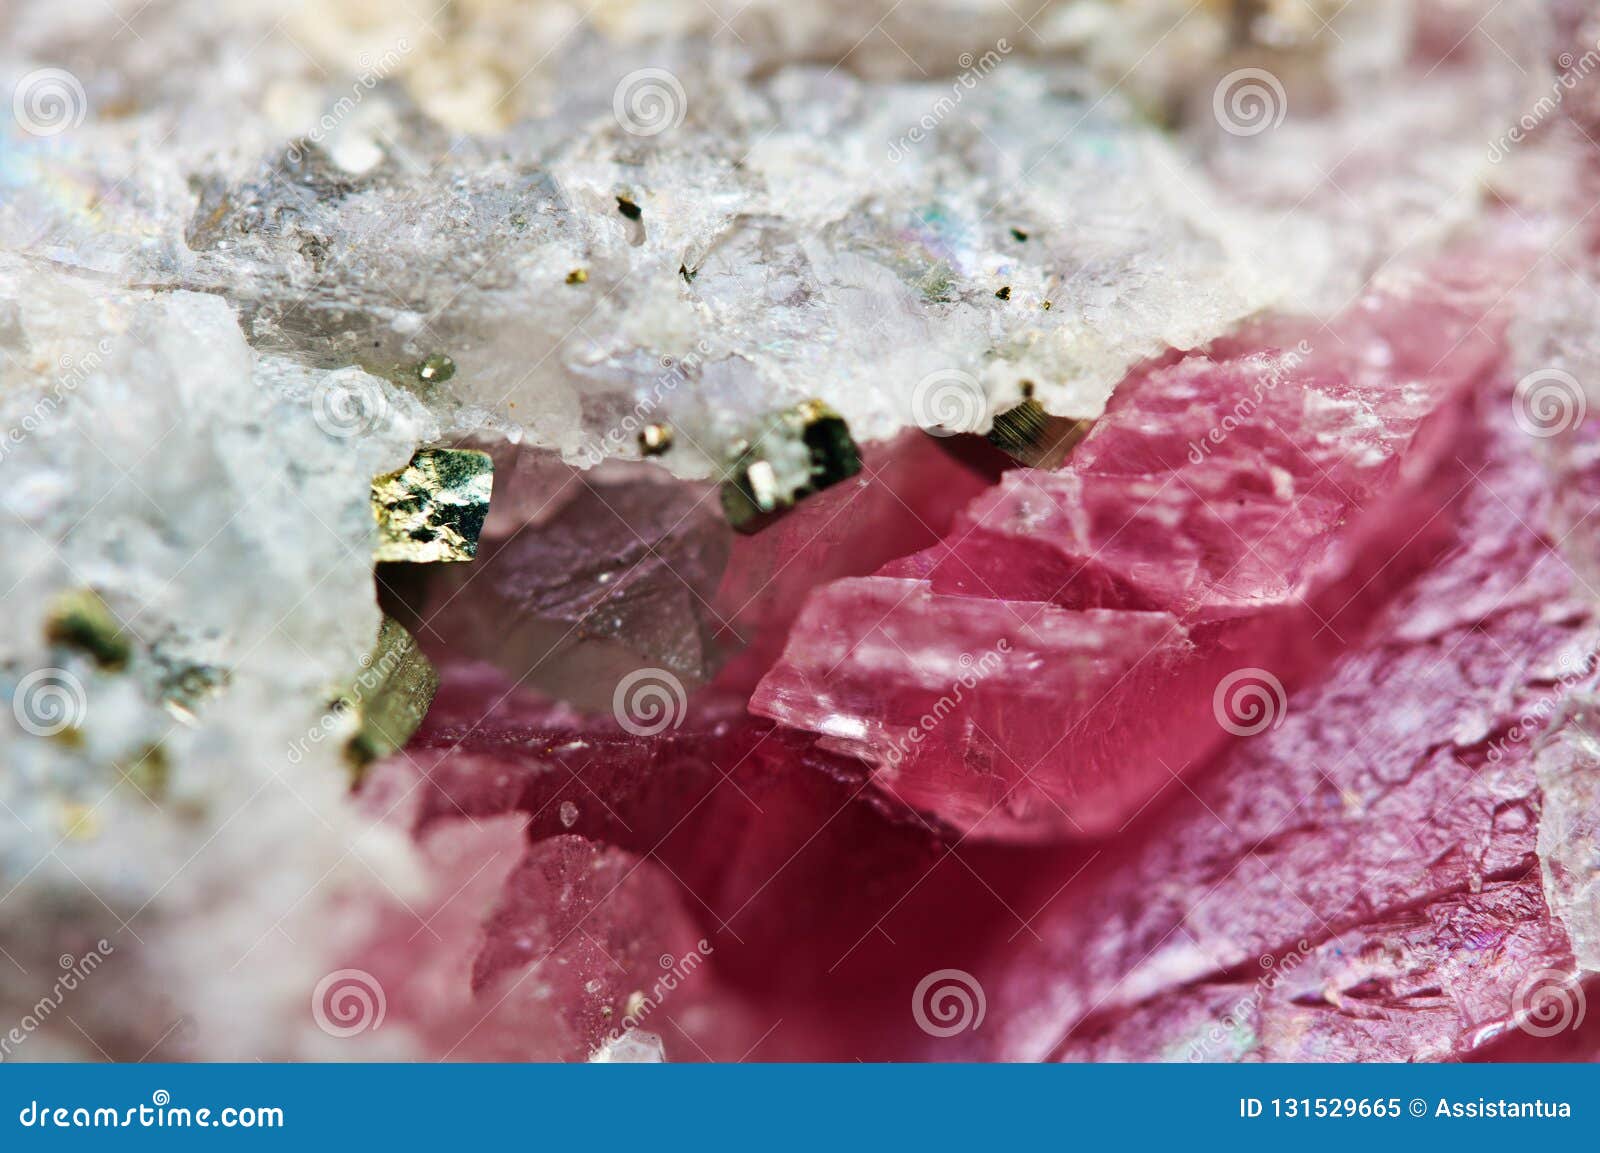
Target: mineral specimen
1015,535
1033,436
433,509
390,695
80,619
1360,880
798,453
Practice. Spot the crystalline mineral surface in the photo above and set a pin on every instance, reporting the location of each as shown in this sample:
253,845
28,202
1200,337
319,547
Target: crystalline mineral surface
1077,639
1255,726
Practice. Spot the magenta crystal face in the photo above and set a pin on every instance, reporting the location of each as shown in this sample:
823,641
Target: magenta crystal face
847,531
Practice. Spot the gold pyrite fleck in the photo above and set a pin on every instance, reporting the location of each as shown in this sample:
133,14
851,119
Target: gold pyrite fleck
432,510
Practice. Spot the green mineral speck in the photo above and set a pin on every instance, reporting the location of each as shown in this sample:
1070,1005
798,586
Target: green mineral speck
184,688
79,619
1018,235
628,208
437,369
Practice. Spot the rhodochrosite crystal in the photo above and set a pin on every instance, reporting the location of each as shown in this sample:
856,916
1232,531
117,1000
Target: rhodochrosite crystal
1083,636
873,530
1378,847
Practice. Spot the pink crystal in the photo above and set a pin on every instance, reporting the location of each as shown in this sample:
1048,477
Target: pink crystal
1389,824
1259,537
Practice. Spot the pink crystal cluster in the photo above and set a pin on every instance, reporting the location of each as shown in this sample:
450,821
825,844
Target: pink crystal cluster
1207,745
